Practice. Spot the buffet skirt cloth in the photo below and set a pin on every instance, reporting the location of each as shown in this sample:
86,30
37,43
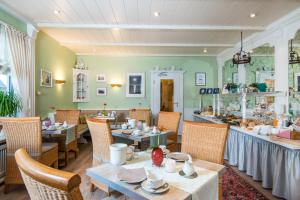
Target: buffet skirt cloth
276,166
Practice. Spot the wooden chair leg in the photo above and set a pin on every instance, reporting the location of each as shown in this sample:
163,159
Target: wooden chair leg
66,158
76,153
6,188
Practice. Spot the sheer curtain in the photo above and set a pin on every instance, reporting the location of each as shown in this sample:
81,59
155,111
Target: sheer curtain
22,57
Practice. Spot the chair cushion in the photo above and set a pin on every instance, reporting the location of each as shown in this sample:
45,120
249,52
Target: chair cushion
48,146
82,128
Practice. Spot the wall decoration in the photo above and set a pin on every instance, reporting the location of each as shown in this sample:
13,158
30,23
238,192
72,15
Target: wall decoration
200,78
101,92
262,76
235,78
135,85
46,78
101,78
297,82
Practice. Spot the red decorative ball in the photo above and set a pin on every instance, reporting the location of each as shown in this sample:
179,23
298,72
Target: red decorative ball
157,156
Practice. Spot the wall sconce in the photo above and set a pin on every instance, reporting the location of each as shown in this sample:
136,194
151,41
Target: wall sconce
60,82
116,85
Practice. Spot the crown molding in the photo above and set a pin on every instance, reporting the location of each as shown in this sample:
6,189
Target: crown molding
146,55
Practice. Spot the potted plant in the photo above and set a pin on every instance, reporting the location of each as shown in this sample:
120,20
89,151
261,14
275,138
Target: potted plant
10,104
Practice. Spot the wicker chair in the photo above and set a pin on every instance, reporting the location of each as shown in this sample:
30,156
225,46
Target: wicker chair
205,141
45,183
141,114
101,139
169,121
25,133
71,117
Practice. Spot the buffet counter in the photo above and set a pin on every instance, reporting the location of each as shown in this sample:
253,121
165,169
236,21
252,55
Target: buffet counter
276,163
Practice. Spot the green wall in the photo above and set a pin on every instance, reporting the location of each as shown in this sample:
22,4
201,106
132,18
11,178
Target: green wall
13,21
116,68
53,57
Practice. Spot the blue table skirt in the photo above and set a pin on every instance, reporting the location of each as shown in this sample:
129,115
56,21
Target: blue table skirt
276,166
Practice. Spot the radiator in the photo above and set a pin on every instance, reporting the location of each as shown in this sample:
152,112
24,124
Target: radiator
2,161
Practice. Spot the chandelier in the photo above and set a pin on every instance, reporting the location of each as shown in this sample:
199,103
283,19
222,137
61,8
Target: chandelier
293,55
241,57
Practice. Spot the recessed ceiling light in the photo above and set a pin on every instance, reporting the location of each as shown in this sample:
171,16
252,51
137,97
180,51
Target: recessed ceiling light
204,50
156,14
57,12
252,15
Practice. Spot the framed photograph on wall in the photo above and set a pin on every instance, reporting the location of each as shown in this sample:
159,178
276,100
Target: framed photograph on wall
297,82
235,78
46,78
101,78
101,92
135,85
200,79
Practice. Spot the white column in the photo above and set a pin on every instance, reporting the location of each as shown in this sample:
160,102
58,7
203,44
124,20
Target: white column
242,74
281,74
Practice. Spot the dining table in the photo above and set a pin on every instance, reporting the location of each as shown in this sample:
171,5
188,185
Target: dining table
145,139
203,186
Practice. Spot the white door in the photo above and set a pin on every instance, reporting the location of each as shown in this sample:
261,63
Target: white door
176,78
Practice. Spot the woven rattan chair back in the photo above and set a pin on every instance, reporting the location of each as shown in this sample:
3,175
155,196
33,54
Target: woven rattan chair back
21,133
169,121
101,139
70,116
204,141
46,183
141,115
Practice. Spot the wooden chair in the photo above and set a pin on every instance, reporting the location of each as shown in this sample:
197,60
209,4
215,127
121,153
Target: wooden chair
101,139
25,133
169,121
71,117
45,183
205,141
141,115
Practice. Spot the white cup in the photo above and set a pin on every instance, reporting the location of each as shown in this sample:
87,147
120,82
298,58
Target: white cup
170,166
118,153
124,126
154,180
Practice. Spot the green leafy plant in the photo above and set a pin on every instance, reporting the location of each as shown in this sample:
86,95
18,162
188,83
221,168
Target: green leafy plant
10,104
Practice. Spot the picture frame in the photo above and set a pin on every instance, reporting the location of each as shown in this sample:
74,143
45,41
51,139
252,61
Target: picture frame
297,82
135,85
200,78
262,76
46,78
101,78
101,91
235,78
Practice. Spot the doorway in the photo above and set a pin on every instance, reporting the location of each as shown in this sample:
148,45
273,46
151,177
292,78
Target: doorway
167,95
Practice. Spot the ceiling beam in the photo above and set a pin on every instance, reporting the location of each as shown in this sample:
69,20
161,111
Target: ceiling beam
126,44
150,27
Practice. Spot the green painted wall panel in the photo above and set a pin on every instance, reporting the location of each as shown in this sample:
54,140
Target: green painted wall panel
53,57
13,21
116,69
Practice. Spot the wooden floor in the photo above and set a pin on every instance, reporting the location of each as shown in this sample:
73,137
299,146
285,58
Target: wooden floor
83,162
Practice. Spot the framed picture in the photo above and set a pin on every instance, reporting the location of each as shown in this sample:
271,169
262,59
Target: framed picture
101,91
101,78
297,82
135,85
262,76
46,78
200,78
235,78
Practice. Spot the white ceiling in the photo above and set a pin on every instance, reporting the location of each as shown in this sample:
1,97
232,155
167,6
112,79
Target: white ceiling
129,27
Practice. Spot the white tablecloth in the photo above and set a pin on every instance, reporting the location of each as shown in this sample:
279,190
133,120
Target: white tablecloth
204,187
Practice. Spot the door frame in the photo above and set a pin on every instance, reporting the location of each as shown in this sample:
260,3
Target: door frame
159,73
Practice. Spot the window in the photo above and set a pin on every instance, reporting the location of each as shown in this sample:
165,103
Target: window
5,72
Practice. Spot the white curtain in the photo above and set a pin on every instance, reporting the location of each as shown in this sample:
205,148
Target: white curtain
22,56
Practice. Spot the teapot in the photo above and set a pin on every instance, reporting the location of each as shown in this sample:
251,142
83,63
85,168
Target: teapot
131,123
188,167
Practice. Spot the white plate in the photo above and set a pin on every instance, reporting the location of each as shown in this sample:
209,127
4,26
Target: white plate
173,156
146,187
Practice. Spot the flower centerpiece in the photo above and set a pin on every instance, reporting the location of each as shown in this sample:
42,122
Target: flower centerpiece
157,154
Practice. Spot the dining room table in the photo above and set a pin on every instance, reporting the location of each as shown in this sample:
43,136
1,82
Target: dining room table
203,186
145,139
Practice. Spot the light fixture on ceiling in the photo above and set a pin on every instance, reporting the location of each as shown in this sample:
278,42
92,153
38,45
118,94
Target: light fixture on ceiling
293,55
57,12
251,51
204,50
156,14
241,57
252,15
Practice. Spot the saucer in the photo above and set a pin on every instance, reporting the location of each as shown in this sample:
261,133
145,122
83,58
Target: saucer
194,175
146,187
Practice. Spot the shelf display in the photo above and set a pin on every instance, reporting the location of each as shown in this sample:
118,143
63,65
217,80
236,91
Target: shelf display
80,85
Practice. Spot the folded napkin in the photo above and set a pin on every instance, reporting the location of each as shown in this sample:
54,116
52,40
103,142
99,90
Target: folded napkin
132,175
178,156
